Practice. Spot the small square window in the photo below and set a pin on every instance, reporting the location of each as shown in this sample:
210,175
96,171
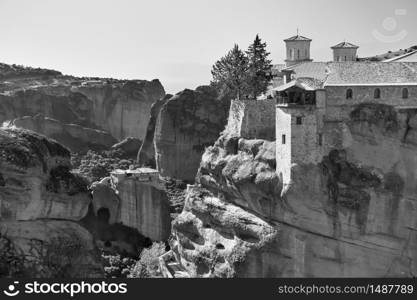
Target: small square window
283,139
298,120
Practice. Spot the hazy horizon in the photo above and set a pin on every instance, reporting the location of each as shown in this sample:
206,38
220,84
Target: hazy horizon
178,41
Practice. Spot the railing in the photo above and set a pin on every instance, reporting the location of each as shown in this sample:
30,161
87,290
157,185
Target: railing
286,101
282,100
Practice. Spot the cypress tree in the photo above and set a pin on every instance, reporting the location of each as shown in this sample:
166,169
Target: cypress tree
259,67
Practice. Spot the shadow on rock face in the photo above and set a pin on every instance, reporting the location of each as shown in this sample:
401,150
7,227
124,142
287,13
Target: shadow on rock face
115,238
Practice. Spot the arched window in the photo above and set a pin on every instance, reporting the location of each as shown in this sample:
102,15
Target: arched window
349,94
377,94
405,93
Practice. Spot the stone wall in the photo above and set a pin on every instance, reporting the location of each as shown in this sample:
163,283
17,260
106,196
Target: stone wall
338,107
300,137
252,119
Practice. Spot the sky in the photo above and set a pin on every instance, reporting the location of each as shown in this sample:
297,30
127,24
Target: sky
177,41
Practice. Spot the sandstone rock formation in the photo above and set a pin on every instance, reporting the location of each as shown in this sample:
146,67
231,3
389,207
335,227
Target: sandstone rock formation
40,202
48,249
129,147
75,137
120,107
353,214
136,199
146,154
187,123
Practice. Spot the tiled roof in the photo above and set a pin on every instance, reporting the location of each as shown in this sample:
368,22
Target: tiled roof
407,57
297,38
276,69
357,73
308,84
344,45
371,73
317,70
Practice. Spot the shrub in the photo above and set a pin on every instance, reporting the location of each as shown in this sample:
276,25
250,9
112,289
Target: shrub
116,266
95,166
148,264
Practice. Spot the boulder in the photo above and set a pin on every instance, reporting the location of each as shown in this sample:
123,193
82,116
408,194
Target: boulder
129,147
187,123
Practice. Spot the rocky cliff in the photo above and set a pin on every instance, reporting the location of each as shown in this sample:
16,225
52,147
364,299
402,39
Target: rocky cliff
75,137
352,214
137,199
120,107
41,202
187,123
146,153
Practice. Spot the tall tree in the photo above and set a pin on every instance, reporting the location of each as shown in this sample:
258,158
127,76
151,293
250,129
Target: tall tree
230,73
259,67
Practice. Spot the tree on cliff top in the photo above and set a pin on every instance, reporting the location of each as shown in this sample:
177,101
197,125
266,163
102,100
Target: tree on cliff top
240,74
229,73
259,67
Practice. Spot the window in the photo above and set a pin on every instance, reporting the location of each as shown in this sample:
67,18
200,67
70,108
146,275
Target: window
292,53
298,54
377,93
298,120
283,139
345,58
405,93
320,139
349,94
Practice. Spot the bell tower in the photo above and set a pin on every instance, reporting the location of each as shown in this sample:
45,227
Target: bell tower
344,52
298,49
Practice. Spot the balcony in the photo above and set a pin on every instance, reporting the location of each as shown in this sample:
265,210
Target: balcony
287,101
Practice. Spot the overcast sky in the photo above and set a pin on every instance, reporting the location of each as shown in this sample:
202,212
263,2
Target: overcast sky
177,41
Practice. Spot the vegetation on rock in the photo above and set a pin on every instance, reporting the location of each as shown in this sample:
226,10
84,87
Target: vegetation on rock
241,75
95,166
148,264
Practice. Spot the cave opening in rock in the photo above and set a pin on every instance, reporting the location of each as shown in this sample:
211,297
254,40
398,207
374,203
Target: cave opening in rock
103,215
219,246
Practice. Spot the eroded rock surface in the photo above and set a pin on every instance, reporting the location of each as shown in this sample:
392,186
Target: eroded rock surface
129,147
48,249
77,138
187,123
136,199
146,154
120,107
352,214
40,204
36,179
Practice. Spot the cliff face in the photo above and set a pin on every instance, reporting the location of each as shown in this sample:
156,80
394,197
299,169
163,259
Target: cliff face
40,203
187,123
136,199
352,214
146,154
75,137
120,107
